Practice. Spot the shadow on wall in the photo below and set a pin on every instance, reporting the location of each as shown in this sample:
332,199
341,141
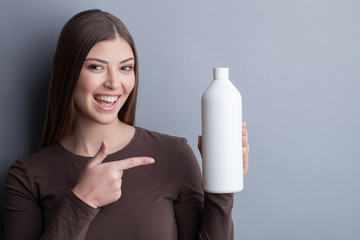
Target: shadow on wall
36,110
37,90
32,82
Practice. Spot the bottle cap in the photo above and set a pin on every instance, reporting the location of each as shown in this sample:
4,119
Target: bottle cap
221,73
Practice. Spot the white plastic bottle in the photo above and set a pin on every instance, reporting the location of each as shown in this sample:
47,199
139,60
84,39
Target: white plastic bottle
222,135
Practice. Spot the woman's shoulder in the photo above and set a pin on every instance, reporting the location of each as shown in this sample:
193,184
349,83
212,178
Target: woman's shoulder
155,137
51,155
155,143
170,147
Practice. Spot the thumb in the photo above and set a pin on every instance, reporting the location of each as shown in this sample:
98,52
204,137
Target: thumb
100,155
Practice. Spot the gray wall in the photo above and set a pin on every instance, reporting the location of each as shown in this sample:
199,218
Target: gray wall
296,63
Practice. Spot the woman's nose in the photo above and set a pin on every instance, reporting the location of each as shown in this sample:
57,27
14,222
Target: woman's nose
113,80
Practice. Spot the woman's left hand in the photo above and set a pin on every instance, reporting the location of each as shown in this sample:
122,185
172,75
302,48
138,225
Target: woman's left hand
245,146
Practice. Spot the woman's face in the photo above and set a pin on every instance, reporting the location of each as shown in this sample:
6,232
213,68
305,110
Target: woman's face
106,79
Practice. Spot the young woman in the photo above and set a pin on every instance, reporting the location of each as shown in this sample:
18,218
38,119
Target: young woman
96,175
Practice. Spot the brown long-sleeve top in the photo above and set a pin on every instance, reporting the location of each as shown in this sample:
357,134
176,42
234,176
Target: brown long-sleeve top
164,200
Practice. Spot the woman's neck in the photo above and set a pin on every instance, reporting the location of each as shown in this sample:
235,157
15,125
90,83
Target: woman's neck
86,138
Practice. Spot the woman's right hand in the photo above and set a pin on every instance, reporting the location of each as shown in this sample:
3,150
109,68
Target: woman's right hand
100,183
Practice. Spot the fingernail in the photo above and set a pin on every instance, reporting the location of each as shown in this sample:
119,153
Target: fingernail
151,160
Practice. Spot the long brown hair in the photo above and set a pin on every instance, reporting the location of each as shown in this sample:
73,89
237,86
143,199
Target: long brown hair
76,39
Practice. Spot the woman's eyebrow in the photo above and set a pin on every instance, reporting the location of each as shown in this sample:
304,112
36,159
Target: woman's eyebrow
103,61
126,60
96,59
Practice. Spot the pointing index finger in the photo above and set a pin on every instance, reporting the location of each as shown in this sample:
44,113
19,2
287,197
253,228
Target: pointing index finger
131,163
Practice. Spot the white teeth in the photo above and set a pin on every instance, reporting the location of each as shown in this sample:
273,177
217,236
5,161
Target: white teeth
107,98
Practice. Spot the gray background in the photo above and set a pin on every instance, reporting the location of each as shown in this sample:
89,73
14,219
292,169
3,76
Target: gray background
296,63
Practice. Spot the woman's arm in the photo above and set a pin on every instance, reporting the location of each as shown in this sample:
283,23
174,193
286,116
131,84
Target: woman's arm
199,215
202,215
23,213
98,185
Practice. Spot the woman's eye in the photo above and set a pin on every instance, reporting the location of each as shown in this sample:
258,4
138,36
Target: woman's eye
126,68
95,67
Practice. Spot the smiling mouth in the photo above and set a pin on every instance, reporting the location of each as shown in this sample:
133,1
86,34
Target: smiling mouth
106,101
